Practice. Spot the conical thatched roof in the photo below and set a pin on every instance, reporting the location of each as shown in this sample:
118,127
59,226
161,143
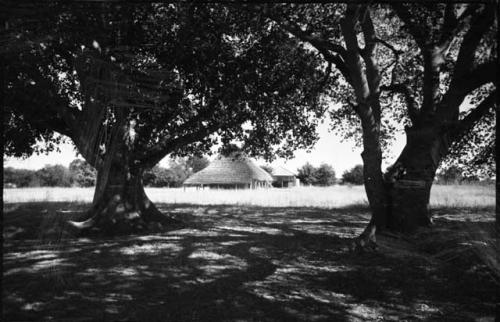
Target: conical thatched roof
234,169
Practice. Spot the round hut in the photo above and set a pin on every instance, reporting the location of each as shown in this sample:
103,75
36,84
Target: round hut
231,172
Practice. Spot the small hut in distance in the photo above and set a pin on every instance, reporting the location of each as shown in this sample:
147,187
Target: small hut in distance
233,171
284,178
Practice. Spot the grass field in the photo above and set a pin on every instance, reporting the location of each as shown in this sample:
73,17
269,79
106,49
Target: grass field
329,197
262,255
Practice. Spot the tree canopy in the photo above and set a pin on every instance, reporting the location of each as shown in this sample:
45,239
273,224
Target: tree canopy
382,53
186,76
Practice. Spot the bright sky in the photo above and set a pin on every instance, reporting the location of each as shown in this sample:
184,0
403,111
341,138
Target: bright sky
329,149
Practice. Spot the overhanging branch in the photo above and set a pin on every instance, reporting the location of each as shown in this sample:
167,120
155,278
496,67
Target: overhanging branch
332,52
479,25
468,122
161,150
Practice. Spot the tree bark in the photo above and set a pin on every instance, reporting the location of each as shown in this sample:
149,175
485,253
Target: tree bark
121,205
375,185
399,200
411,182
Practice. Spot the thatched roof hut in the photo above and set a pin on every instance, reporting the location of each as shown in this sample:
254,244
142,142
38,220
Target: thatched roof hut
234,171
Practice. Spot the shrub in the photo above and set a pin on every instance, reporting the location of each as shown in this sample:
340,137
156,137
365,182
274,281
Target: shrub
354,175
82,173
325,175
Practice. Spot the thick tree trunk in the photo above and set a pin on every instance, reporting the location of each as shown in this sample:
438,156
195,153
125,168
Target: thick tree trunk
411,186
399,200
120,204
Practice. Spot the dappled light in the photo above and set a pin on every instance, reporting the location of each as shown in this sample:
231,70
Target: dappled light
242,262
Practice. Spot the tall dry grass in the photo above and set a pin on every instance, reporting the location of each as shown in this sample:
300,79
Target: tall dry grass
458,196
462,196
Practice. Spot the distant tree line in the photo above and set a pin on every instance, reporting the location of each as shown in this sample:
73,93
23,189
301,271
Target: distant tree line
455,175
324,175
82,174
48,176
448,175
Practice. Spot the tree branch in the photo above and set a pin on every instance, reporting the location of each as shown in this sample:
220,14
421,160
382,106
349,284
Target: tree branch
372,70
478,27
406,91
469,81
332,52
414,28
324,47
468,122
353,59
161,150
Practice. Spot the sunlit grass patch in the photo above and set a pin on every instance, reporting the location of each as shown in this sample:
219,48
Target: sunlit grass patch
453,196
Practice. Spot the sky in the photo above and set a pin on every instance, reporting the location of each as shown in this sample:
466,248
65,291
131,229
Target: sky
329,149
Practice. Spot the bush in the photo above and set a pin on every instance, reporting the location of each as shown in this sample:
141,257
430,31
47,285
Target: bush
353,176
324,175
54,176
82,173
160,177
306,174
175,175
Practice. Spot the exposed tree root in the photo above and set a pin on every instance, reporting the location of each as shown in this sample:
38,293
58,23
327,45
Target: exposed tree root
116,217
367,241
373,239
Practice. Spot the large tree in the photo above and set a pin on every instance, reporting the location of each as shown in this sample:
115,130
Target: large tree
429,66
131,84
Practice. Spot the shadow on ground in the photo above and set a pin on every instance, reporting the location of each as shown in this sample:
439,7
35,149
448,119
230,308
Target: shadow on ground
236,263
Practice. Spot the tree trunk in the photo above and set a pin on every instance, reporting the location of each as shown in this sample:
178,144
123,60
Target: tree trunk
120,204
411,185
375,186
399,200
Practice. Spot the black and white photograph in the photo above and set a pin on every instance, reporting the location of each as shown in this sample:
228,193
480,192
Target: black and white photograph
250,161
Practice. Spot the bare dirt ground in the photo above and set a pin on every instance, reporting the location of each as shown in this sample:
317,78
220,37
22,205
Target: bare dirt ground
247,263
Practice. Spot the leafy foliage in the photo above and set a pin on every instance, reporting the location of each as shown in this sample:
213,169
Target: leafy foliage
185,76
195,163
54,176
18,177
354,175
178,171
161,177
414,64
306,174
324,175
83,174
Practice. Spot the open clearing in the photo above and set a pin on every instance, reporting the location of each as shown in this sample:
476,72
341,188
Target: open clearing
236,260
328,197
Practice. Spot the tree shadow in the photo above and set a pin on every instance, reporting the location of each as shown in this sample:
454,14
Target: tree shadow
229,263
